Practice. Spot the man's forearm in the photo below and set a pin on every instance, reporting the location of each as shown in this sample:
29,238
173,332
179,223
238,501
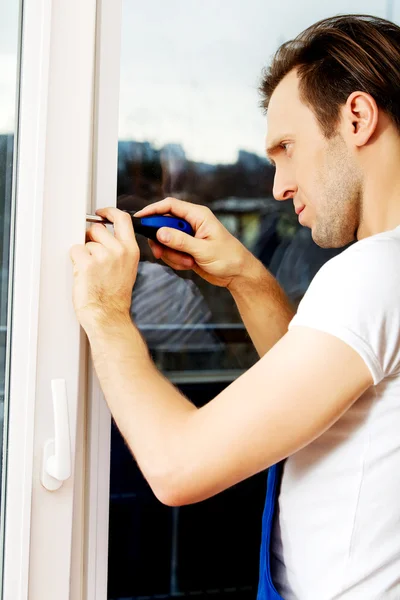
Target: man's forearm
148,410
263,305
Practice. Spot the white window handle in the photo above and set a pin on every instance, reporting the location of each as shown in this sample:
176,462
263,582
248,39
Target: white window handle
56,466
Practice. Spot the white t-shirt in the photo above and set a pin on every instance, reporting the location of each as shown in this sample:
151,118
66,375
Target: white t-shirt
336,533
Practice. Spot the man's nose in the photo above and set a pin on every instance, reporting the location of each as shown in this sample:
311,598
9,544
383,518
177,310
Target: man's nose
285,187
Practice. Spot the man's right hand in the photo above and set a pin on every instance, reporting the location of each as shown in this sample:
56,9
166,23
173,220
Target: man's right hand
214,253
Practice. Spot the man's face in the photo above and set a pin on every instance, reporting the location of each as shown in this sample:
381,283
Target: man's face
318,174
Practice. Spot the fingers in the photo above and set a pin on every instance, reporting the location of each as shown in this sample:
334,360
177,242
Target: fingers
177,266
155,248
98,233
176,260
123,228
181,242
96,249
79,254
195,214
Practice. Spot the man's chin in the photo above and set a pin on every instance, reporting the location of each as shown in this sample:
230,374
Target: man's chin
321,240
328,243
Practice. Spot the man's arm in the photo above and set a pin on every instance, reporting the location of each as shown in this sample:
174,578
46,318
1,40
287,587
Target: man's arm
222,260
297,390
263,305
290,397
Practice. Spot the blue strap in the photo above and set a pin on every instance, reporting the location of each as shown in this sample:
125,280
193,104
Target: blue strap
266,588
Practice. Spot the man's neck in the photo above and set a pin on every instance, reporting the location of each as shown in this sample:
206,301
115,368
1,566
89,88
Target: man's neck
381,199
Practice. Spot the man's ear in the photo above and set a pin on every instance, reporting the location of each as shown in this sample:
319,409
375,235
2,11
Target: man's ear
360,118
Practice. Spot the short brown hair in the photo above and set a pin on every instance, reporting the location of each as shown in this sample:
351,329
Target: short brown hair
338,56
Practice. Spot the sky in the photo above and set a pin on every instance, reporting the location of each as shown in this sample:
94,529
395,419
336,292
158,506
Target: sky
190,68
9,23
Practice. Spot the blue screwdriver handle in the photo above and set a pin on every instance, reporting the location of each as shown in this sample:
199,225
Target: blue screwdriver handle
148,226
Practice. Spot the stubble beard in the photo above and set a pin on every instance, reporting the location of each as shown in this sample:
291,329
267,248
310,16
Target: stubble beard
339,207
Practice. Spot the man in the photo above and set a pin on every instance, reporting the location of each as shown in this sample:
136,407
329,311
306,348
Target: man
325,394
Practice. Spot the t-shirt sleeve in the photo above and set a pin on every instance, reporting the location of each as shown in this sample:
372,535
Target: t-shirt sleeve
355,296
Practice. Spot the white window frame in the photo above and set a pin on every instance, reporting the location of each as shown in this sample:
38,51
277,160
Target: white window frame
54,176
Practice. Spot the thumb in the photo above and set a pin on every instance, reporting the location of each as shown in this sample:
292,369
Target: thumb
177,240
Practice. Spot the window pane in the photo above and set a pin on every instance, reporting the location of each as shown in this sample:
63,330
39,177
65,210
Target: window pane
9,46
190,127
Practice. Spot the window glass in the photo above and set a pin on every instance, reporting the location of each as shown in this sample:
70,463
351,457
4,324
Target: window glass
9,44
190,127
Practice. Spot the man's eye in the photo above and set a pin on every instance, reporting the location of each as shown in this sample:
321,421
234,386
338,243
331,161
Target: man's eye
286,146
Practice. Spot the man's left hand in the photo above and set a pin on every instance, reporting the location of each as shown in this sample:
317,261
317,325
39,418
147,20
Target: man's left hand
105,270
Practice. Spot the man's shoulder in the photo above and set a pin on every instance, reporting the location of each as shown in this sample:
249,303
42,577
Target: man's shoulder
356,297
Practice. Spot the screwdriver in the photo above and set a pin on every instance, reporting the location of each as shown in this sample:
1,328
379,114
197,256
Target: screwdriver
148,226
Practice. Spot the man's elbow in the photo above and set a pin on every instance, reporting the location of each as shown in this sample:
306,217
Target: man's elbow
170,497
172,489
